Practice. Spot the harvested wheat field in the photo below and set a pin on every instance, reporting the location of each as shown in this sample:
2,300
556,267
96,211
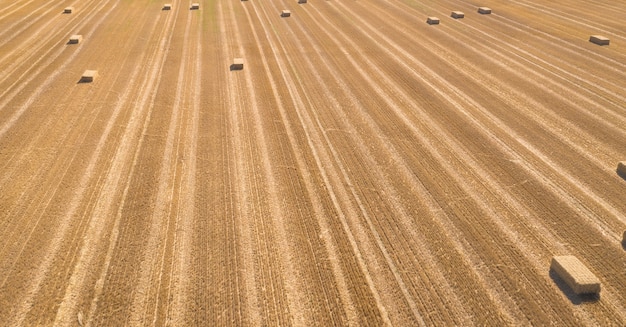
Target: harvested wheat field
365,168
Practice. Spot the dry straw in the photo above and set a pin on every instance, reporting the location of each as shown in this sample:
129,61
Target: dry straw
575,274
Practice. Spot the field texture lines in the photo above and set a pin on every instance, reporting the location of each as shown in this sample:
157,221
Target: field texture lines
363,168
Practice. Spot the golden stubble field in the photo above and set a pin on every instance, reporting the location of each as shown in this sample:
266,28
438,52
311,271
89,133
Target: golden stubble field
364,168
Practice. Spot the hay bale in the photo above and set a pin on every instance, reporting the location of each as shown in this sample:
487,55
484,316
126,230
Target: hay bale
237,64
484,10
167,6
457,14
575,274
68,10
89,76
74,39
195,6
285,13
599,40
301,1
621,168
432,20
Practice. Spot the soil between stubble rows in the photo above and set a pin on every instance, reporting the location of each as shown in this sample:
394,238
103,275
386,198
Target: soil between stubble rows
365,168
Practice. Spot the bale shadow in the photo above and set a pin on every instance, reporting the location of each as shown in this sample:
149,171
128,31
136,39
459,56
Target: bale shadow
83,80
576,299
624,244
621,173
235,67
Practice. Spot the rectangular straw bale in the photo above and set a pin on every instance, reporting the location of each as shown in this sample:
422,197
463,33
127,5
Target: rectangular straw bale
237,64
167,6
301,1
432,20
195,6
484,10
285,13
599,40
68,10
457,14
575,274
89,76
75,39
621,168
